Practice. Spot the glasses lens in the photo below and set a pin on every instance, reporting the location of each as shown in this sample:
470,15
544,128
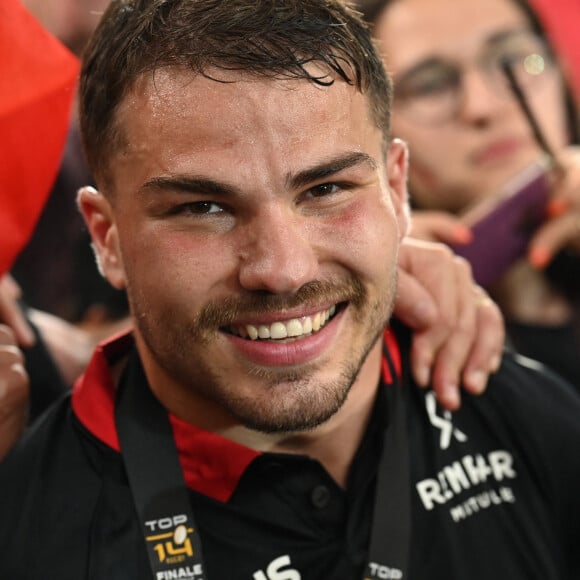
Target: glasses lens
526,54
429,92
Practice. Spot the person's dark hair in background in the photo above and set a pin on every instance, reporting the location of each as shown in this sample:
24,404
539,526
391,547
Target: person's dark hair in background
56,269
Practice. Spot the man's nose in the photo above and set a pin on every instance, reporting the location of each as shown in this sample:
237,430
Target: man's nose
277,253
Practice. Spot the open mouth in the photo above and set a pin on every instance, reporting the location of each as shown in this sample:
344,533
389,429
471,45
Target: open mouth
286,330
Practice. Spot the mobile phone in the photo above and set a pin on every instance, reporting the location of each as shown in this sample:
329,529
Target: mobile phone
502,226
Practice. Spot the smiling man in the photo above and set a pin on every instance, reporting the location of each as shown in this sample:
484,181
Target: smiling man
287,315
261,423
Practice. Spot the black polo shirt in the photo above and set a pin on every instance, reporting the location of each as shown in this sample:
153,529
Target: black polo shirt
494,491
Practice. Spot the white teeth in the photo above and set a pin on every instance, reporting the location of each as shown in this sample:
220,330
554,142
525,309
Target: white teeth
289,329
316,322
294,328
278,331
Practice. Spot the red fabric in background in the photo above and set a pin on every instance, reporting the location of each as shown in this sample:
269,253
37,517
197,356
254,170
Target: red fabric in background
37,84
562,21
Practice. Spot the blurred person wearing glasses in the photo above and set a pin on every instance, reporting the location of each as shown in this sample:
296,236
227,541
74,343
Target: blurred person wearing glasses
468,137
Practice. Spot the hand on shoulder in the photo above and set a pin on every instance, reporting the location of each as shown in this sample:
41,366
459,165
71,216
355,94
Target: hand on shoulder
458,333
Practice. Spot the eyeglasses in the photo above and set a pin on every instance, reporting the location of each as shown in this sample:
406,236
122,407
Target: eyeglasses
432,91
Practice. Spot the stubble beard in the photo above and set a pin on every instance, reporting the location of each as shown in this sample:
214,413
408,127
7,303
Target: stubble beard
284,400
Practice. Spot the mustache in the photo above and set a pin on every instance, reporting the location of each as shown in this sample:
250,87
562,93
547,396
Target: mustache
316,293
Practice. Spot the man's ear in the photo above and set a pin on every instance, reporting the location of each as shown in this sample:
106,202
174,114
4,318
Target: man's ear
397,172
98,215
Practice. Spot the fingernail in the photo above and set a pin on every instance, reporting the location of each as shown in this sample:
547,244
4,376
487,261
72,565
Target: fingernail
556,207
476,381
539,258
462,234
29,339
423,375
451,397
495,364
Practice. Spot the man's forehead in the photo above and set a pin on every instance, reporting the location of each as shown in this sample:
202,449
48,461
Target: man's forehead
175,121
170,81
179,94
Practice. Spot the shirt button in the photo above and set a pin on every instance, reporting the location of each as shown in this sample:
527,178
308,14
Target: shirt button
273,467
320,496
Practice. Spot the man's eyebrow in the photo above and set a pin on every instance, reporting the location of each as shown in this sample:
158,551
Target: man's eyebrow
189,184
327,169
204,185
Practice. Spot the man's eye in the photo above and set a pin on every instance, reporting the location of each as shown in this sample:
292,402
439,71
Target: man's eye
199,208
323,189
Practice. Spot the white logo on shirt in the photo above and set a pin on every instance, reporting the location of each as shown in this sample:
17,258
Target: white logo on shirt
274,571
444,423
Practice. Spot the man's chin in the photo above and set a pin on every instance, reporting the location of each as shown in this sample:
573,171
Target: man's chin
295,422
293,406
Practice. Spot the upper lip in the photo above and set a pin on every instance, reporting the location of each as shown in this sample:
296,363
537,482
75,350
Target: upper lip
282,315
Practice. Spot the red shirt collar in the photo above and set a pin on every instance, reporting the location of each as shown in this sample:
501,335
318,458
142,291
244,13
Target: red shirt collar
212,465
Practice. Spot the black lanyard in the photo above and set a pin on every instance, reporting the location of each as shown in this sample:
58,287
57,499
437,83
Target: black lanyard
161,496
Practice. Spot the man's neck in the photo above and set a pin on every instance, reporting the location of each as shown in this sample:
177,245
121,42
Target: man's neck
334,443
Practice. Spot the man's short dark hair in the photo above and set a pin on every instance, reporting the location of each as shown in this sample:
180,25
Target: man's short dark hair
277,39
